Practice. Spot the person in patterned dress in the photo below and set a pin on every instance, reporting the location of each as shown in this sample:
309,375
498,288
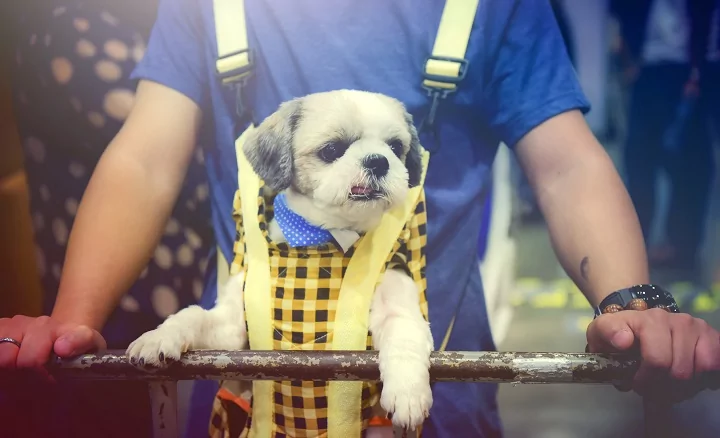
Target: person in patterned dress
72,93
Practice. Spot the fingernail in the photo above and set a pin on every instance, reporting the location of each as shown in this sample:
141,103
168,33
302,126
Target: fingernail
64,343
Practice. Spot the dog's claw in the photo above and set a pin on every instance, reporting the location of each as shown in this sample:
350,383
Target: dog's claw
408,399
157,347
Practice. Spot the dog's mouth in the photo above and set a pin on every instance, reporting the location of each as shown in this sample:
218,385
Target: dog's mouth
364,193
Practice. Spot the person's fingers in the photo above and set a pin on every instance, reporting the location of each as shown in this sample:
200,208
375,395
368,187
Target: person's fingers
610,333
37,344
707,357
707,350
685,336
653,334
75,340
13,328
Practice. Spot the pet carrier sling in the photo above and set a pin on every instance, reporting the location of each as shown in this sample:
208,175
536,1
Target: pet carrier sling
318,298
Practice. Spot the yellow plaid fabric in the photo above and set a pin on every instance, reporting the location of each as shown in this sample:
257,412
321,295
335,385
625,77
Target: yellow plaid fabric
305,283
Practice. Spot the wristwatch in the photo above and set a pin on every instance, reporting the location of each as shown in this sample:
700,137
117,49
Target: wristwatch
639,297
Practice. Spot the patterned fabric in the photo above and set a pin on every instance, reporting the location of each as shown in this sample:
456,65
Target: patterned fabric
305,283
298,231
72,93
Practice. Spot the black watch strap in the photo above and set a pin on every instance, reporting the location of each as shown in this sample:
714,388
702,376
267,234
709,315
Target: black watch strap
639,297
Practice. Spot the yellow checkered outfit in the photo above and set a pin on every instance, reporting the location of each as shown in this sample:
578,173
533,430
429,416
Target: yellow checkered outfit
305,287
297,298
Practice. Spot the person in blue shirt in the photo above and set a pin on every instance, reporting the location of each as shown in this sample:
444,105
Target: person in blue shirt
520,89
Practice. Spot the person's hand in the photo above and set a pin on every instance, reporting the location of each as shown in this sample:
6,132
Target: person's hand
676,350
39,338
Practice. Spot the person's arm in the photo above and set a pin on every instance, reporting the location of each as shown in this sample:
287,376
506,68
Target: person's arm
592,223
126,204
535,106
132,191
136,183
597,238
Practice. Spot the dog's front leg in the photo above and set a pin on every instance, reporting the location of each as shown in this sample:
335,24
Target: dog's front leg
194,328
403,339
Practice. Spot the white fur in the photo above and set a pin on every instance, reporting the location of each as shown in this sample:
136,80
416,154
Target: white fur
194,328
367,121
404,341
400,333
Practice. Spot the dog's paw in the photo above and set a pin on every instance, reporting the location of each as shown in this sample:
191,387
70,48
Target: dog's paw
156,348
408,397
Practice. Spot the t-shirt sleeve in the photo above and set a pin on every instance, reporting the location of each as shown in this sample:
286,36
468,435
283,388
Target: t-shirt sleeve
175,56
530,77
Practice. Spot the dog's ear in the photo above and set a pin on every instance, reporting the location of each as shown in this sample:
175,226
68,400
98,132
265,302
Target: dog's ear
413,160
270,149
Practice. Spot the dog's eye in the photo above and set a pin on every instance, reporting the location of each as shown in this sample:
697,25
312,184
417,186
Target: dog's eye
332,151
396,146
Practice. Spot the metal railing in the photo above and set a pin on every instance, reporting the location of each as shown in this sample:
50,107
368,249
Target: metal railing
498,367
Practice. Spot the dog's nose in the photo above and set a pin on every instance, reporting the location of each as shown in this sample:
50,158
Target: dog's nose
377,165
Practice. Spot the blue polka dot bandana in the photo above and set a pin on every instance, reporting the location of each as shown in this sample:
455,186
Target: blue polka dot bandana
298,231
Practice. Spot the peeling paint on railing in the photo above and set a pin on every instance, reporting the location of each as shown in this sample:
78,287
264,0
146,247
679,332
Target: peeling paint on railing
354,365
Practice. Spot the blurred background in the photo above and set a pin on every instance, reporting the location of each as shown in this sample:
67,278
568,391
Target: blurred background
65,91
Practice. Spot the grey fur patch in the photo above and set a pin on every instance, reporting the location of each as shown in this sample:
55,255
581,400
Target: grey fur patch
413,160
270,149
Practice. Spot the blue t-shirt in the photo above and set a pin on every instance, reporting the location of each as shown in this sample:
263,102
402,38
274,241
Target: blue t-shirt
519,76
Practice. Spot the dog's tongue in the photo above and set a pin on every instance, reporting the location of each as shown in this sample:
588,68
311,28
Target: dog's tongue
359,190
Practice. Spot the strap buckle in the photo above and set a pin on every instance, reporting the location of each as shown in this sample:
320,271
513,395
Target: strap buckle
462,70
237,78
237,73
437,92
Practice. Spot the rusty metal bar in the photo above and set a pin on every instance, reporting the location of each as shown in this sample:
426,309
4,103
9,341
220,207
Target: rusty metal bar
359,365
355,365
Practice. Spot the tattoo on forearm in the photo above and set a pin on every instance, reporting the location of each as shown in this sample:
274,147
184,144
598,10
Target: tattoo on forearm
585,268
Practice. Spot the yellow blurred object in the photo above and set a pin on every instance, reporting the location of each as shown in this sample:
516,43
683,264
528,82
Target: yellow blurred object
556,299
20,289
704,303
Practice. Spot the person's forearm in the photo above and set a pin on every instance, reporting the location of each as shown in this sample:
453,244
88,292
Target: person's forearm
119,222
593,225
127,203
594,228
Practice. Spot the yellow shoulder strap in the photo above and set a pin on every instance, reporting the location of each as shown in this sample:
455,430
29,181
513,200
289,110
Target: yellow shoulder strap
234,62
258,305
447,65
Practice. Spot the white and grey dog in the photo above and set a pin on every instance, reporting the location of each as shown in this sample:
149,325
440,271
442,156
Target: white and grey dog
342,159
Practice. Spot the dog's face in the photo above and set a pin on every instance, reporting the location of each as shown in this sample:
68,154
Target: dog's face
352,152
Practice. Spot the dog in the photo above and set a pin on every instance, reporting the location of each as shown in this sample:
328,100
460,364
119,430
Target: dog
341,159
